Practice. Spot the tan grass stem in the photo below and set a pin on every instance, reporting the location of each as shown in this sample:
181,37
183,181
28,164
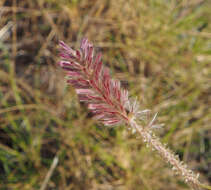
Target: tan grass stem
178,167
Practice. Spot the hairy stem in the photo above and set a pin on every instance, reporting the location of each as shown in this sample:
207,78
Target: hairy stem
180,169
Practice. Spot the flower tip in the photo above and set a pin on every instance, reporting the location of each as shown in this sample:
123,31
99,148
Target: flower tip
84,40
83,43
61,43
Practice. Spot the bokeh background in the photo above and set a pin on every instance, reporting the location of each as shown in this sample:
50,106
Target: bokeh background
161,52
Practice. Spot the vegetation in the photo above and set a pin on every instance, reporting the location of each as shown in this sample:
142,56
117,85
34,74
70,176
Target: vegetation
161,52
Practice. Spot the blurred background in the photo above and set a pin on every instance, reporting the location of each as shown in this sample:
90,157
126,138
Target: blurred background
161,52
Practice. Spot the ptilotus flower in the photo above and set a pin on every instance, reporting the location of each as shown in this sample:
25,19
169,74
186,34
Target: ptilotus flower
110,104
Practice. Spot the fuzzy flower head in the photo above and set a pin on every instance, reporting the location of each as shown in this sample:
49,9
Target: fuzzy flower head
108,102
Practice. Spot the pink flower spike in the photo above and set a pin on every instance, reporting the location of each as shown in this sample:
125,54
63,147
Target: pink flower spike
93,82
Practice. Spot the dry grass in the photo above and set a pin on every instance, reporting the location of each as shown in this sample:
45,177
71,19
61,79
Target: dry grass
160,50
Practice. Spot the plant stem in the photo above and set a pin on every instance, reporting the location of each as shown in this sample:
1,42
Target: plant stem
181,169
